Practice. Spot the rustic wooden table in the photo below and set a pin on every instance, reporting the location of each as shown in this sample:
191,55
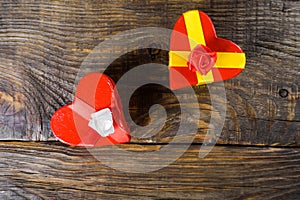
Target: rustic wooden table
42,45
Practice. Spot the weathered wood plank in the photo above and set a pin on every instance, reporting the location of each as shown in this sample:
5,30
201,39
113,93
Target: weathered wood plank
52,171
42,45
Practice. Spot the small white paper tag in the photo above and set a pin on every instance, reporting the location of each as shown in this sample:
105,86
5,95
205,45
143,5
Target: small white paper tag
102,122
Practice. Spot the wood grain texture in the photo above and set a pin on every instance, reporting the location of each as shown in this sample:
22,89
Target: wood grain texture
27,172
43,43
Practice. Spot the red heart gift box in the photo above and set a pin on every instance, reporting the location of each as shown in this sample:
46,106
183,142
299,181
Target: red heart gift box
71,124
198,55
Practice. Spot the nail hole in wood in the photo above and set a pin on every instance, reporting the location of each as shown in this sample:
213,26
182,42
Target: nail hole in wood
284,93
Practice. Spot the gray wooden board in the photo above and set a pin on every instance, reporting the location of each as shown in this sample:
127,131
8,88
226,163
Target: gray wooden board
53,171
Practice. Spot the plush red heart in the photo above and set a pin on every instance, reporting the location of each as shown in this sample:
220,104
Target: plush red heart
70,124
218,60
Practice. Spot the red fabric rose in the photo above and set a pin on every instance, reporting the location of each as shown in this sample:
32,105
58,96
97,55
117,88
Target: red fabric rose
202,59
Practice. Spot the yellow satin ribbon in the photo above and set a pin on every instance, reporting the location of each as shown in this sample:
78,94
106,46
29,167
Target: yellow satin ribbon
224,59
194,28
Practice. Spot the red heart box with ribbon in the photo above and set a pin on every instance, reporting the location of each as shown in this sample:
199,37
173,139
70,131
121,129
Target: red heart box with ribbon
95,118
197,56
